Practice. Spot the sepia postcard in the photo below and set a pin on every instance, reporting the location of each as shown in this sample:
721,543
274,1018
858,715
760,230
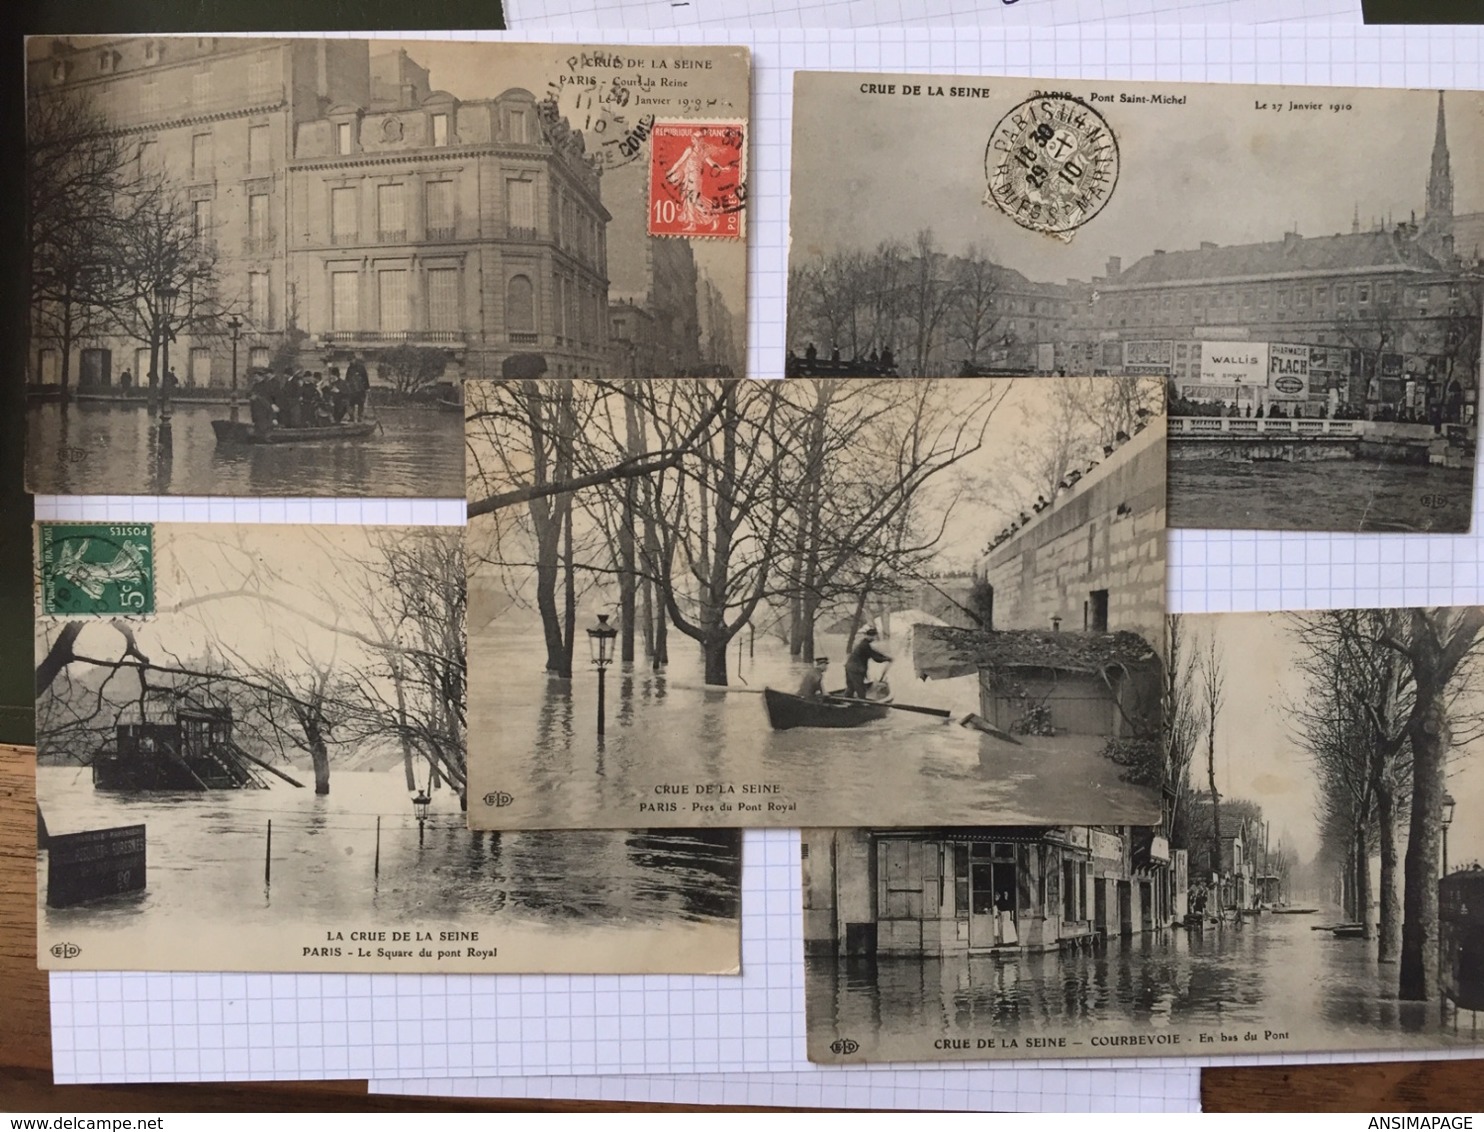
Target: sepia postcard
250,757
1314,883
1301,265
265,266
704,603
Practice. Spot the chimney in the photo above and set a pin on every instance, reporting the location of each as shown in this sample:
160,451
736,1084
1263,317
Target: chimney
1291,241
1159,251
1208,245
1115,265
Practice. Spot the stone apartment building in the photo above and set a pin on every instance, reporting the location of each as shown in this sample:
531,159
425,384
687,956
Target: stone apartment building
352,205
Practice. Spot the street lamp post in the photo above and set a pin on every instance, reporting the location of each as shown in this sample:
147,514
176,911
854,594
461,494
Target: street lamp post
600,640
1447,820
420,803
234,324
164,304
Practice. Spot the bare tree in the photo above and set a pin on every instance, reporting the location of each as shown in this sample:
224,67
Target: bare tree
1212,691
1437,644
930,293
167,262
79,174
978,283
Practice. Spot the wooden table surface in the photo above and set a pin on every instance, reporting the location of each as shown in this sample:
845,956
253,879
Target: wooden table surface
26,1061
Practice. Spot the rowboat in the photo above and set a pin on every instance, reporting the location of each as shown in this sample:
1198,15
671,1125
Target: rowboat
787,711
1294,911
242,432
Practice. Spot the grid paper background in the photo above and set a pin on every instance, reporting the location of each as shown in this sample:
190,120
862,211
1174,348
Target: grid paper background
526,15
957,1090
186,1027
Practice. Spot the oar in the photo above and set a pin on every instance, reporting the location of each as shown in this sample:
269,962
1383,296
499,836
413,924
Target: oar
979,723
940,713
714,688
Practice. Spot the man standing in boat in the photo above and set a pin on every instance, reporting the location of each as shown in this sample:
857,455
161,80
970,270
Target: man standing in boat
858,663
812,686
357,383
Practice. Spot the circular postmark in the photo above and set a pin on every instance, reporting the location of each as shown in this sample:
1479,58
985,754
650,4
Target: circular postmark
604,111
1051,164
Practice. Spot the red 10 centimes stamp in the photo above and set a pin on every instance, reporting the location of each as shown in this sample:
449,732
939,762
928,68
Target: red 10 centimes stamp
698,179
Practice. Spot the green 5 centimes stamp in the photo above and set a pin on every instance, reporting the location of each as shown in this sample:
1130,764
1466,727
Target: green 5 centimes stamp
97,569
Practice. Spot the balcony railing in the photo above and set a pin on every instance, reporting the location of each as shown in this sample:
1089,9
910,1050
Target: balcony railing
524,338
514,233
443,232
391,235
1253,426
395,337
258,245
345,239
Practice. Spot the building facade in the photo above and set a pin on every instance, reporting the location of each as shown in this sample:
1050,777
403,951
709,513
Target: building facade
990,889
353,208
1373,308
1094,559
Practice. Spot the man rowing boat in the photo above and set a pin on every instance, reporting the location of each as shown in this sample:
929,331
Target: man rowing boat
858,664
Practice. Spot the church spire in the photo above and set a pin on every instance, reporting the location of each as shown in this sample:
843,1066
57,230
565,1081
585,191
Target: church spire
1440,177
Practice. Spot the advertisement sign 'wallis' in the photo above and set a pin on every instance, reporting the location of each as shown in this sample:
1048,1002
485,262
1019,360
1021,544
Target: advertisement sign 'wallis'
1288,372
1234,363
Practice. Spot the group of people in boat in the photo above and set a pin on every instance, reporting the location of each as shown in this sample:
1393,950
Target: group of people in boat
857,669
309,399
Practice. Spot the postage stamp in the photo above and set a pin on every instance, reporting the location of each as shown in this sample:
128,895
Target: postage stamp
698,179
1052,164
97,569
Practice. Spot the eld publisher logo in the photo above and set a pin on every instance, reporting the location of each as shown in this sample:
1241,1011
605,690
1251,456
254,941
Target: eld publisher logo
844,1046
66,950
1434,502
497,798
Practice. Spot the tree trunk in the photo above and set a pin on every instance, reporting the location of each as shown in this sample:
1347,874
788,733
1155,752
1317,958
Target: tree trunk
407,771
714,649
1391,919
1430,735
320,756
1363,885
1216,862
548,566
627,581
569,577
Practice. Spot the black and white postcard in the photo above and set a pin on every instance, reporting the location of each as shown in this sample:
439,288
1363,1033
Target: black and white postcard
1314,884
265,266
782,603
1301,265
251,758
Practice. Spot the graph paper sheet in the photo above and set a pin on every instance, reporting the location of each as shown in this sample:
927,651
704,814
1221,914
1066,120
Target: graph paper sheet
193,1027
526,15
970,1090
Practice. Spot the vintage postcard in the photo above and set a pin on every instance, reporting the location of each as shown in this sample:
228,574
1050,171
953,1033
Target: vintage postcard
1301,265
703,603
1314,884
250,757
265,266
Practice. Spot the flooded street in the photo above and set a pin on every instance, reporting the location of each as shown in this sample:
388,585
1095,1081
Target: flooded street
670,730
206,858
1273,973
1347,495
104,449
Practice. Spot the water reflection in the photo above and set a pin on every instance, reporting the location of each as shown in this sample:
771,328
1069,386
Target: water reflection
207,854
1272,974
1346,495
535,737
95,448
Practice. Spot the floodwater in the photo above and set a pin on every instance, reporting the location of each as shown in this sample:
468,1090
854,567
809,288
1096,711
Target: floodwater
535,738
115,449
1273,973
1327,495
207,853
